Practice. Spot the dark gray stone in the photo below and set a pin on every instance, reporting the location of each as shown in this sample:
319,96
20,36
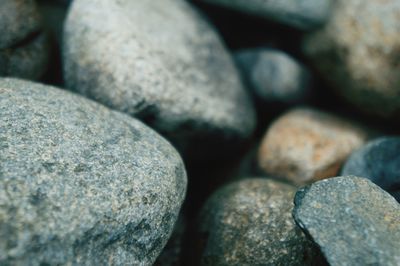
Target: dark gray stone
353,221
81,184
159,61
249,223
302,14
379,161
274,76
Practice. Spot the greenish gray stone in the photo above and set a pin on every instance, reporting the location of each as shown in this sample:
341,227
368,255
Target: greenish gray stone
159,61
249,223
302,14
352,220
81,184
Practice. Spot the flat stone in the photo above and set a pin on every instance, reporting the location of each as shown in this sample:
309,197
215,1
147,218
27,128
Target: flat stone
379,161
358,53
81,184
161,62
274,76
304,145
250,223
353,221
301,14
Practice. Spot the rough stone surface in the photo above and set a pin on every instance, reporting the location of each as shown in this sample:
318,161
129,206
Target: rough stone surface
29,61
250,223
379,161
304,145
302,14
358,53
274,76
80,184
18,19
159,61
352,220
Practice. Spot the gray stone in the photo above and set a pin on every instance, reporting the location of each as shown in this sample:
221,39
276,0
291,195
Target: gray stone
358,53
353,221
81,184
249,223
379,161
18,19
159,61
274,76
302,14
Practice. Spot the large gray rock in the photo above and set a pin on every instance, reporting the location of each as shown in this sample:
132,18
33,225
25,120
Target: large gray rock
379,161
80,184
302,14
159,61
352,220
250,223
357,53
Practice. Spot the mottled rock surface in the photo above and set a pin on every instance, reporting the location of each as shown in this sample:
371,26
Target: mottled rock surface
302,14
304,145
159,61
352,220
358,53
81,184
379,161
274,76
250,223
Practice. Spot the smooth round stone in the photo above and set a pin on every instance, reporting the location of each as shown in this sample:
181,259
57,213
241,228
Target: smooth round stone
29,61
81,184
379,161
159,61
18,19
353,221
357,53
304,145
301,14
250,223
274,76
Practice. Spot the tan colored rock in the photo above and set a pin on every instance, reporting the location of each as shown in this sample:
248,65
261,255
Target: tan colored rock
305,145
358,53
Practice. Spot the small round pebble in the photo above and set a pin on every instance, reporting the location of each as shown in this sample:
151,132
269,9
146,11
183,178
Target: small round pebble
304,145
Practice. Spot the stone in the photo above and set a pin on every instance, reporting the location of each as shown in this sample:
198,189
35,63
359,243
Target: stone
358,53
353,221
161,62
379,161
18,19
304,145
250,223
274,76
301,14
81,184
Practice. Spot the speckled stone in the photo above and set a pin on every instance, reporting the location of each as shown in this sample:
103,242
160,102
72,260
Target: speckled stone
18,19
302,14
159,61
358,53
304,145
352,220
81,184
274,76
379,161
250,223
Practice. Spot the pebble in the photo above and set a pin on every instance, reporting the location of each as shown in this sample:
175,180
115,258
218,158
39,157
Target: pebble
353,221
159,61
358,53
379,161
250,223
301,14
304,145
81,184
274,76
